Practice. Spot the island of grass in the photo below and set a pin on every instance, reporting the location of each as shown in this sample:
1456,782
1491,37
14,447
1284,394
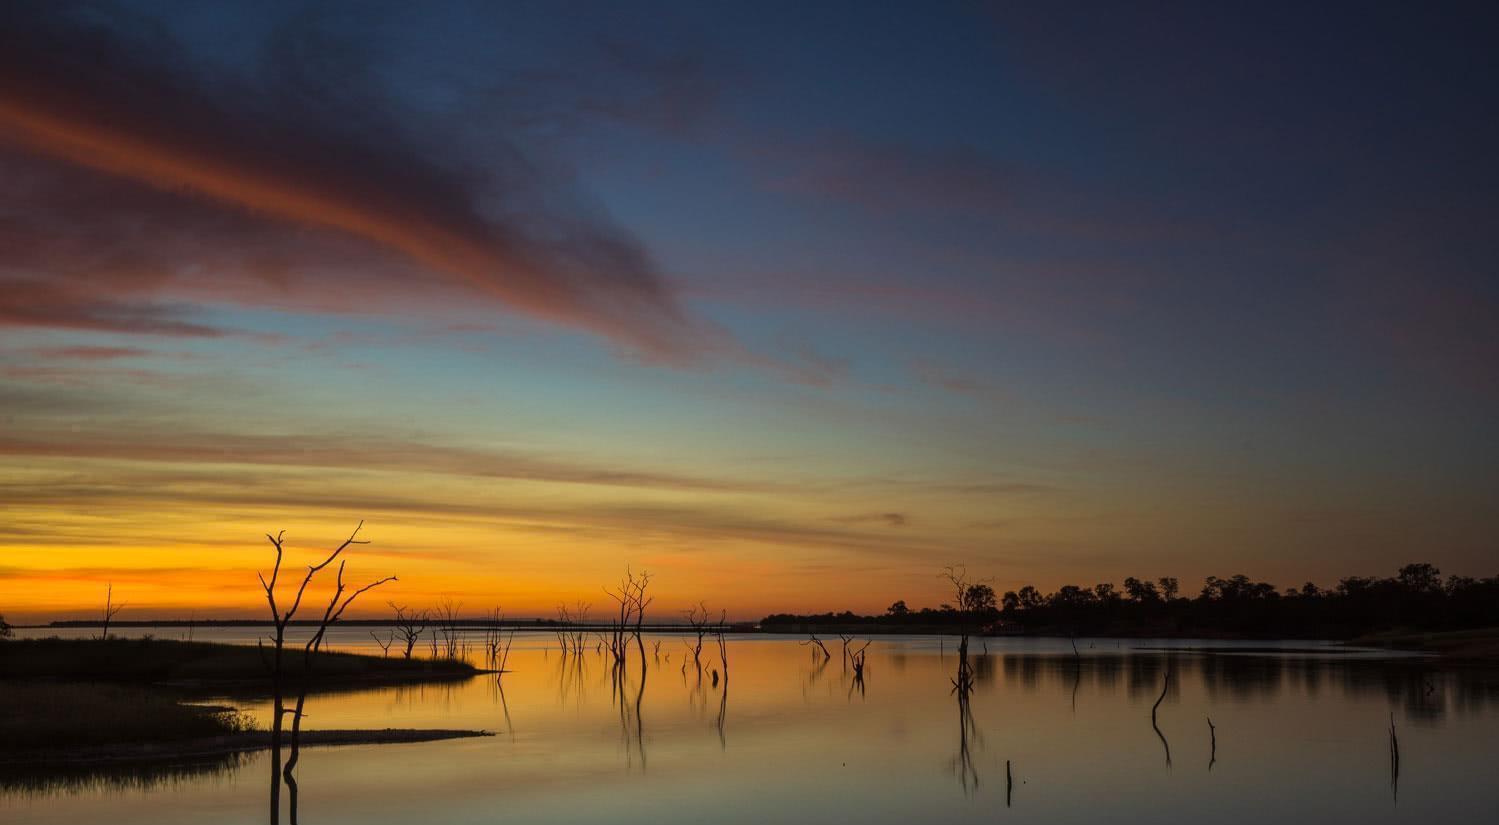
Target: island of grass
85,701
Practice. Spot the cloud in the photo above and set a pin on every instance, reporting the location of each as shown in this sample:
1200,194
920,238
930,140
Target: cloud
345,452
887,519
87,353
27,302
308,165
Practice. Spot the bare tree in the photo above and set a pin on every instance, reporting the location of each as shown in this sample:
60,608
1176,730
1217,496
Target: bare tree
331,614
632,601
110,609
697,617
1165,685
496,644
856,659
409,625
962,585
385,643
280,619
813,640
723,647
570,636
447,627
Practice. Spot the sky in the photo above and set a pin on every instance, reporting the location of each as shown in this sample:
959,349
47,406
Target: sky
791,304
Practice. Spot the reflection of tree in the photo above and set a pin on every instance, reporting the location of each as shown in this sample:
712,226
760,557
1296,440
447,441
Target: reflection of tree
968,734
1213,743
1167,745
497,693
814,675
631,721
723,714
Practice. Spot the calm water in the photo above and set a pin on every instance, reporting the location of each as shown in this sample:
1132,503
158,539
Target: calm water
1300,737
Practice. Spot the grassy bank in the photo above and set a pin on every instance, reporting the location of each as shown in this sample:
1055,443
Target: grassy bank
88,724
50,714
143,661
81,701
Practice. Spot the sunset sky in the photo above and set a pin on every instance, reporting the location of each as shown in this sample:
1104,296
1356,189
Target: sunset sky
790,303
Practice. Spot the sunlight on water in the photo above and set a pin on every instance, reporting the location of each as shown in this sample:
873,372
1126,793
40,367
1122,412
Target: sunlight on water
788,736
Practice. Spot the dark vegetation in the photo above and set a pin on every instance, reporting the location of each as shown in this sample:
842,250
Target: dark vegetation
149,660
1416,599
46,714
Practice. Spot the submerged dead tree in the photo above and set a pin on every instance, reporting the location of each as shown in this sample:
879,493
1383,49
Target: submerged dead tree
813,640
496,643
275,664
570,637
632,601
964,588
331,614
697,617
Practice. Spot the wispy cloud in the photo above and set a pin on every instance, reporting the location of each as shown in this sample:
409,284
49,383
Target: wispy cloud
309,144
344,452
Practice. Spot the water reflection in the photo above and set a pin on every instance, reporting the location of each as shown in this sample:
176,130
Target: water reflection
1165,686
1305,738
42,780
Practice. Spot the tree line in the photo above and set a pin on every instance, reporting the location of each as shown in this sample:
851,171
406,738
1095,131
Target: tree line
1416,598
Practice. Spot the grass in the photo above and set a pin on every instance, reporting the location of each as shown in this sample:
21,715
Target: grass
165,660
117,700
51,714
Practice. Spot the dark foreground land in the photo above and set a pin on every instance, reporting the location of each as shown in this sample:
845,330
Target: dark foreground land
86,701
157,661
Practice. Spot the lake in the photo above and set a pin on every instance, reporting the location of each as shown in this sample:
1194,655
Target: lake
1302,734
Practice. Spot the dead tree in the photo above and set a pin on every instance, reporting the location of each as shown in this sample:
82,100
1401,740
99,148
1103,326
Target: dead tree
331,614
409,625
641,603
110,609
723,646
632,601
496,644
856,659
813,640
569,636
1166,685
448,627
697,617
384,644
961,584
280,619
